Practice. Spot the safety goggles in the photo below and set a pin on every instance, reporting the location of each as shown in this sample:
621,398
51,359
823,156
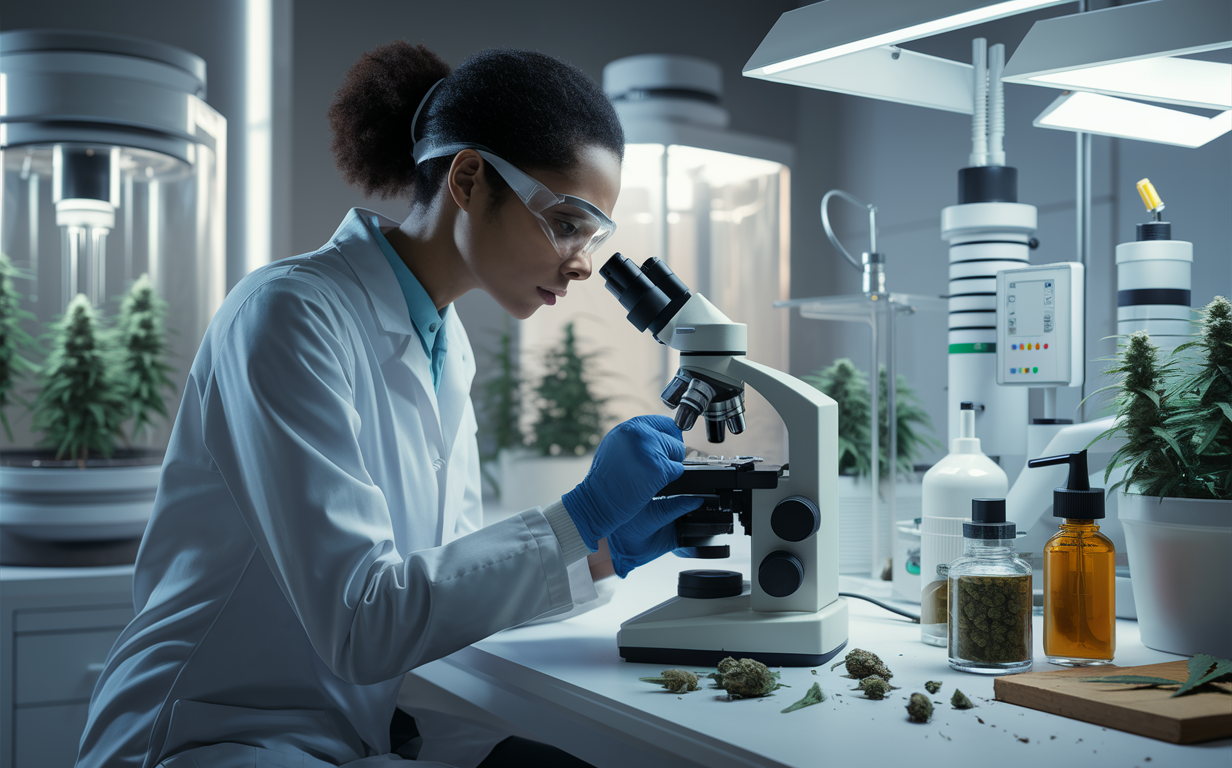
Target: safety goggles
573,225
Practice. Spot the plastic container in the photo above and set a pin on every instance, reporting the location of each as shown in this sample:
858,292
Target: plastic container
948,489
1178,553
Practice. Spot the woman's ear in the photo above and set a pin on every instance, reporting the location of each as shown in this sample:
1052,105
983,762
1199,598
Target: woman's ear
465,178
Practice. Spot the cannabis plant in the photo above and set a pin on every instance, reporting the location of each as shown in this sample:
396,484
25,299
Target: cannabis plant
500,409
571,416
1203,419
81,404
12,339
142,352
848,386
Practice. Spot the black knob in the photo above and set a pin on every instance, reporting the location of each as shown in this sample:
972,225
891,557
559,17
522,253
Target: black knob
781,573
795,518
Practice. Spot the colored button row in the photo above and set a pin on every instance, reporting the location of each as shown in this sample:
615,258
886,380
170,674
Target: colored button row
1024,370
1026,346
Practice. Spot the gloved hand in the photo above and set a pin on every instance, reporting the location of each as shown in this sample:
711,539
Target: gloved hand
651,532
633,462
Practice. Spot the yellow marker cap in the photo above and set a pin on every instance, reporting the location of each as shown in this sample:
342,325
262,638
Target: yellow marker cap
1150,198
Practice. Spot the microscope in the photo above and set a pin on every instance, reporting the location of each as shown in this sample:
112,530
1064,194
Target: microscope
789,613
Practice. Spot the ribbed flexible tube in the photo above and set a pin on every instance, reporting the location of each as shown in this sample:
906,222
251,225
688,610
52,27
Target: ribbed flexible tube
979,89
996,105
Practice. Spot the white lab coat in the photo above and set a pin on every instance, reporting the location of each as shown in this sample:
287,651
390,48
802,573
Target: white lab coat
316,531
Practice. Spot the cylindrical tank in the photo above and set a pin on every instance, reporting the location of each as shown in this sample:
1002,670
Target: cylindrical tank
987,231
1153,286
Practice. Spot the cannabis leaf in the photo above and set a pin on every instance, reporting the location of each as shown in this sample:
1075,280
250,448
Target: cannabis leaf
1203,669
814,696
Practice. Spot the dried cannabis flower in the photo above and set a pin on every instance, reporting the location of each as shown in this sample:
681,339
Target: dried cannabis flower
861,664
932,686
919,709
745,678
960,701
675,680
875,687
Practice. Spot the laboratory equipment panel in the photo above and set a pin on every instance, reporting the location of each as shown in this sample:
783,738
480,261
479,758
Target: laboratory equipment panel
1039,326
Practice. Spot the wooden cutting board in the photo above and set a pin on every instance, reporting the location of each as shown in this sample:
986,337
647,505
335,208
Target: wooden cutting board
1145,711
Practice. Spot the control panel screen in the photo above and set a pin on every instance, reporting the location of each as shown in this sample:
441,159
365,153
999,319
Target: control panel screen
1036,300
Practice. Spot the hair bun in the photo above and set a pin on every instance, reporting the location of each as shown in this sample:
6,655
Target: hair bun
371,116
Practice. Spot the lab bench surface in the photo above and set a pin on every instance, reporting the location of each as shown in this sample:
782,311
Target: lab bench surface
565,684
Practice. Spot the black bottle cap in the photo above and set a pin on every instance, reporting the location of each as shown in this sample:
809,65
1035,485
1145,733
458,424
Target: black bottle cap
988,521
1154,230
1077,500
966,405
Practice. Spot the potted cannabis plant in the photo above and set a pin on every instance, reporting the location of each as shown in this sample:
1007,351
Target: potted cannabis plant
86,482
1175,415
848,386
13,340
567,428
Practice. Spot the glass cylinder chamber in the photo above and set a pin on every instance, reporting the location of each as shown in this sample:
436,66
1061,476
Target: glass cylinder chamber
113,167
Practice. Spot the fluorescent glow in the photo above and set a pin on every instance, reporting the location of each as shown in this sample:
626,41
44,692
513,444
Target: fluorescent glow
1171,80
1109,116
258,111
924,29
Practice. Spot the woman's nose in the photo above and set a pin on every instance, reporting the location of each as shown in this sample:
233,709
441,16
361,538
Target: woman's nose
577,266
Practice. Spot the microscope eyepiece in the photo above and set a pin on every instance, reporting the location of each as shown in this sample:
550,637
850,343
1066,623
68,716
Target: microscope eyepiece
652,295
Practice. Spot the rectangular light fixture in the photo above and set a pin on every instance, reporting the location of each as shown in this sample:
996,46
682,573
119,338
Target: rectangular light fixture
1121,118
1131,50
834,28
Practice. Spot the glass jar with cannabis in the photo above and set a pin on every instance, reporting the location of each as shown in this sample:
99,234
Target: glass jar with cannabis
990,596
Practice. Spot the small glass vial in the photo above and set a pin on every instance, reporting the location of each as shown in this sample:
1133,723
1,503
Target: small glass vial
990,597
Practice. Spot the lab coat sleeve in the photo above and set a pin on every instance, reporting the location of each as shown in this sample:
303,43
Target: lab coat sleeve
281,426
470,518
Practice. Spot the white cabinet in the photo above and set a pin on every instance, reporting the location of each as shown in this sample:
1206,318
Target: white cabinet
57,626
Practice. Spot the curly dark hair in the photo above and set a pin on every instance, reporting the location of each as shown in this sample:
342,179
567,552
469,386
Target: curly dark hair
531,109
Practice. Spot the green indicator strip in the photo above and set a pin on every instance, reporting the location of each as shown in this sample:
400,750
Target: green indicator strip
979,347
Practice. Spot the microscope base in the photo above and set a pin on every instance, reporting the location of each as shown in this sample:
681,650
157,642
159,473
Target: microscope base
702,632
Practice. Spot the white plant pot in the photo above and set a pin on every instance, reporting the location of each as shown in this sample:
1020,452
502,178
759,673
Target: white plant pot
530,480
1178,551
93,504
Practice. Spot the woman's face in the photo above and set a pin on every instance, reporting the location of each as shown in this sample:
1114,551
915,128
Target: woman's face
506,250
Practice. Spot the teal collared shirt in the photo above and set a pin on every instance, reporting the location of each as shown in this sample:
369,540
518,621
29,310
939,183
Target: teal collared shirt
429,323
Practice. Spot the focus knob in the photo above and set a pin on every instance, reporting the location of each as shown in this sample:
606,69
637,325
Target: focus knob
781,573
795,518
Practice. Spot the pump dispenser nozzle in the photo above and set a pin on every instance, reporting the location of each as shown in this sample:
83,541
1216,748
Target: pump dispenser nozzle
1077,500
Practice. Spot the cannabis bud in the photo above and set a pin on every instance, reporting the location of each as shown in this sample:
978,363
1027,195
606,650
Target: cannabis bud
745,678
861,664
875,687
932,686
960,700
675,680
919,709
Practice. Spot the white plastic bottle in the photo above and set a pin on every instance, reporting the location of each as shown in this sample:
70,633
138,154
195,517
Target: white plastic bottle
948,488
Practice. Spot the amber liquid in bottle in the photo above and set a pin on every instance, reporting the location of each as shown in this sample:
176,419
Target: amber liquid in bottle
1079,596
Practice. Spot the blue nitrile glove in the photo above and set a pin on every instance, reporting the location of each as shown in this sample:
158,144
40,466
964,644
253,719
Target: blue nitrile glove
633,462
651,532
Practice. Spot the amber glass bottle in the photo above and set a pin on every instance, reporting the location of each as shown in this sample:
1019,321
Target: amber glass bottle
1079,573
1079,596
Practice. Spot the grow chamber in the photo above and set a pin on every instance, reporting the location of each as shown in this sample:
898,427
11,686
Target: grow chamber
114,167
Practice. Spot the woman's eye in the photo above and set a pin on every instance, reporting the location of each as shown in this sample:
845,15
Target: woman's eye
566,228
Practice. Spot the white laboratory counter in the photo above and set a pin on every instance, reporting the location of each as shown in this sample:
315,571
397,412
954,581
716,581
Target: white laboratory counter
565,684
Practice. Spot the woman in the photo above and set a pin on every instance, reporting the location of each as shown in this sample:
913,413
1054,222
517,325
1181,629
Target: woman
316,532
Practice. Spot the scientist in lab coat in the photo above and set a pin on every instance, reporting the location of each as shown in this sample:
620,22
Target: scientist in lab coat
317,531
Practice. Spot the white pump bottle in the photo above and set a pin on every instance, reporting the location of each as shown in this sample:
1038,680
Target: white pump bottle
948,488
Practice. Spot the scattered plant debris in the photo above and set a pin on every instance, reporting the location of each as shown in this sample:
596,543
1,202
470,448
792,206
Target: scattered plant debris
675,680
960,701
814,696
932,686
919,709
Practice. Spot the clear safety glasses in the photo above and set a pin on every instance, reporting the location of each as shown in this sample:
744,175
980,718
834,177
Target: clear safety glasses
573,225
